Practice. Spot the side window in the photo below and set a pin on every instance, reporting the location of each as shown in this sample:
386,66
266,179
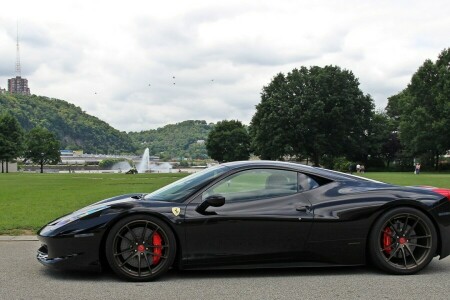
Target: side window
306,182
255,184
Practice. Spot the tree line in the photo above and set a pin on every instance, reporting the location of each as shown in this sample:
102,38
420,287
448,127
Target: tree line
39,145
74,128
315,114
320,114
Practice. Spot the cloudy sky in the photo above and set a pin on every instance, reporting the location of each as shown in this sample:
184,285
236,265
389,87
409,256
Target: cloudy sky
140,65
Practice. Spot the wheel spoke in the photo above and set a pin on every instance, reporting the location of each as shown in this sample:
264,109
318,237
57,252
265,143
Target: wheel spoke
126,260
420,246
124,237
162,246
158,255
412,254
412,228
387,247
139,264
153,233
133,234
404,256
419,237
125,251
393,253
148,262
393,227
405,225
143,232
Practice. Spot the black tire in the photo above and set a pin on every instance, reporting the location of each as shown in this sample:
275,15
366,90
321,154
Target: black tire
140,248
403,241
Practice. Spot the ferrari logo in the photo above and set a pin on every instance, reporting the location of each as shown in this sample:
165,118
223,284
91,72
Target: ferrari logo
176,211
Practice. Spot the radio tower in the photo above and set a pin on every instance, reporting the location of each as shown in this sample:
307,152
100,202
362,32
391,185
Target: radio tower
18,72
18,85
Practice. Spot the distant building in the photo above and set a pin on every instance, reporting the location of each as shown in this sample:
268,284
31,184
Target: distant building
64,152
2,91
18,85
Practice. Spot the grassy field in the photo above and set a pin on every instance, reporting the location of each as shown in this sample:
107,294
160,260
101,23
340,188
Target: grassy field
28,201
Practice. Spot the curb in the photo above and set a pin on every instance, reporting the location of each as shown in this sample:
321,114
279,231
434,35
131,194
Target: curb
18,238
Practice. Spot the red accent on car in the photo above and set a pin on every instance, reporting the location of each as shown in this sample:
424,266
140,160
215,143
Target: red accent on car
157,251
141,248
443,192
387,240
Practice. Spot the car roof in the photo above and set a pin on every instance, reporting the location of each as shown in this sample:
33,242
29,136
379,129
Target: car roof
334,175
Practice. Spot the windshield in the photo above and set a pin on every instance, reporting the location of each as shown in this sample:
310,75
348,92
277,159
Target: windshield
180,189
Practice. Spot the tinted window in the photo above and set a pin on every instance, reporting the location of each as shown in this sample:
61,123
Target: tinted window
306,183
255,184
181,189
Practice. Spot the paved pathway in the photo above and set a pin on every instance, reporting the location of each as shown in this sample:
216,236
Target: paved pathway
22,277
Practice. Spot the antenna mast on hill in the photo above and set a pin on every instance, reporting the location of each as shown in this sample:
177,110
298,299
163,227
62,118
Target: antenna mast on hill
18,72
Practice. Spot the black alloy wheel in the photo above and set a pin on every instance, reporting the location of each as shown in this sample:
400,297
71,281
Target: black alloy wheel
403,241
140,248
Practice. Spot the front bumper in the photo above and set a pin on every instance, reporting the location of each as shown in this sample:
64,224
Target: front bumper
70,252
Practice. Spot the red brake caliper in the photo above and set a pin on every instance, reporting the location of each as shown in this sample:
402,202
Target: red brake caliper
387,240
157,251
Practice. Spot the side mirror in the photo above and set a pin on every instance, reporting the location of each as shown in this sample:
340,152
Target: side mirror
214,201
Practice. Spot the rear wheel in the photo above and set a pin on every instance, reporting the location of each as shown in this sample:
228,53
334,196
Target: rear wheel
140,248
403,241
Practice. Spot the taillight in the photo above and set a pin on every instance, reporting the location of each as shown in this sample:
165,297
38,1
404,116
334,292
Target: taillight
443,192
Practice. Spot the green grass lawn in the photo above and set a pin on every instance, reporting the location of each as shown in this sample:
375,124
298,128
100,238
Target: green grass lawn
29,200
408,178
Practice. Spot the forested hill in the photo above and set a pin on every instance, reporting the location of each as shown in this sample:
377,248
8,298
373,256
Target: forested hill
75,128
175,140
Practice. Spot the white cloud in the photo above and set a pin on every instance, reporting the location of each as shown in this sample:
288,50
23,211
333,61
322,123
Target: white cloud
116,60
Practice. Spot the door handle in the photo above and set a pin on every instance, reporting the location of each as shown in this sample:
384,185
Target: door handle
302,208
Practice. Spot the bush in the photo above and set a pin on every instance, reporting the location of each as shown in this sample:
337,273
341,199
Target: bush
109,162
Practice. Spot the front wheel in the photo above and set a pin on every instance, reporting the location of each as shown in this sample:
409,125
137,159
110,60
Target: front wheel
140,248
403,241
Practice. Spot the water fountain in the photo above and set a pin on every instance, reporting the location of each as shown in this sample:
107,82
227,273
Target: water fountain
144,165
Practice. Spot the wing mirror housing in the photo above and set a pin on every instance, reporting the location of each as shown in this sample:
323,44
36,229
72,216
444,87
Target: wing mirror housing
214,201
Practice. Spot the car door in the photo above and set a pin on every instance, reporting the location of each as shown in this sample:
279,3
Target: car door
265,219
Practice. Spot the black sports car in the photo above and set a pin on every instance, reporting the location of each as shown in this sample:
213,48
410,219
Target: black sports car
255,215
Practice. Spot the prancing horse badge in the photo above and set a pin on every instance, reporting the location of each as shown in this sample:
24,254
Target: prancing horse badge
176,211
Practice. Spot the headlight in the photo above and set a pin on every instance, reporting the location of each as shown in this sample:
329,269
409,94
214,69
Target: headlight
78,215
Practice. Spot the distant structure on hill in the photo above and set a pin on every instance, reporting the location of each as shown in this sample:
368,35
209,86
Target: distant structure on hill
18,85
2,91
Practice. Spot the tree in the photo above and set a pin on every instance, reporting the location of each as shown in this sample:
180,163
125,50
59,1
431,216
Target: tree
228,141
11,139
423,109
314,113
42,147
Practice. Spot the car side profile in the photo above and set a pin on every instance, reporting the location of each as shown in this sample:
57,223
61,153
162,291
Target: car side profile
255,214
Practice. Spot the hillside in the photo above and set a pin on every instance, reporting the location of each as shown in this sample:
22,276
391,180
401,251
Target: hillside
75,128
174,140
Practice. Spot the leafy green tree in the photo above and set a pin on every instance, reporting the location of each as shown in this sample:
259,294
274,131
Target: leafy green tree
11,139
42,147
314,113
422,110
174,140
228,141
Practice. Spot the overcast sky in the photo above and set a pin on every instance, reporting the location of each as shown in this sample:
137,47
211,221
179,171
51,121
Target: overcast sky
117,59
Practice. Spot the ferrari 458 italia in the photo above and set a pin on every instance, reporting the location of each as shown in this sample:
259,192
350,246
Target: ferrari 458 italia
255,215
